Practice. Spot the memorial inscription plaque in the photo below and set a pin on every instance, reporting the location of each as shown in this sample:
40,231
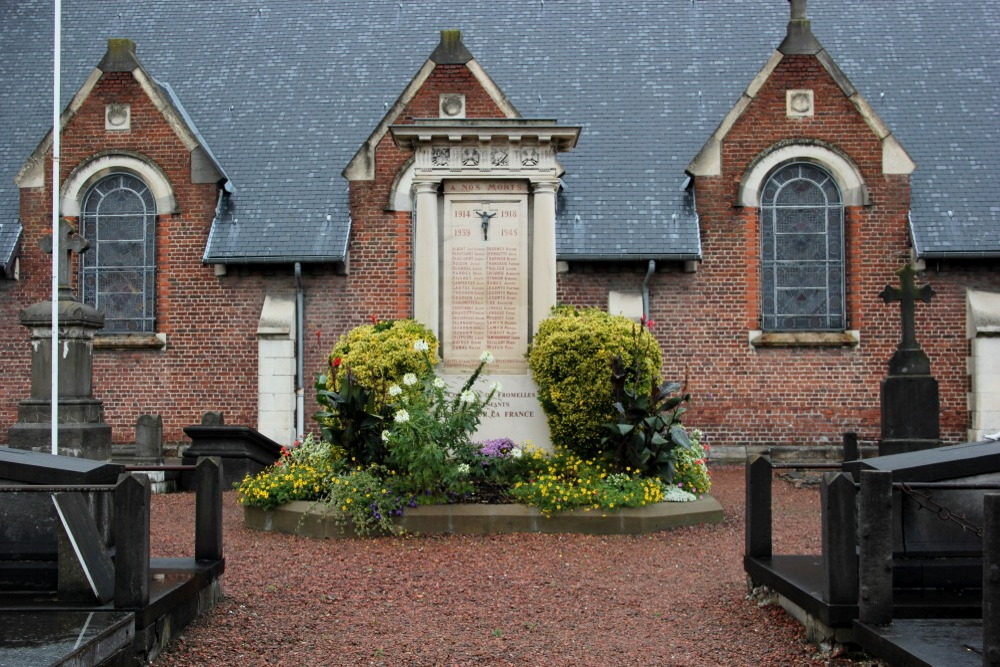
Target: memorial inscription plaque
485,302
485,274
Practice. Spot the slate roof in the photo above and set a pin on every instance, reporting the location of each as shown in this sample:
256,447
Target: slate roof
284,92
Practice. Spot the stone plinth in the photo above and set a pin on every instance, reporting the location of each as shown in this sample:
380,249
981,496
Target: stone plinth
82,429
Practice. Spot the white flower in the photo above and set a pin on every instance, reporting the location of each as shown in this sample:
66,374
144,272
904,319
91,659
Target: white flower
496,387
421,345
467,396
516,453
439,383
486,357
409,379
395,390
463,468
674,495
385,436
402,416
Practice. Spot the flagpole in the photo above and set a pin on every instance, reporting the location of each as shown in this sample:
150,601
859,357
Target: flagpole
56,69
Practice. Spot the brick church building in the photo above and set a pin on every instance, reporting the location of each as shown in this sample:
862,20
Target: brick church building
257,179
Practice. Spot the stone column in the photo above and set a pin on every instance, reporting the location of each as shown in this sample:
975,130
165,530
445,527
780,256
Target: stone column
426,257
543,260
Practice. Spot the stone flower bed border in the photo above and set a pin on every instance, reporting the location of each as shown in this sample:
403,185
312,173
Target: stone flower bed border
310,519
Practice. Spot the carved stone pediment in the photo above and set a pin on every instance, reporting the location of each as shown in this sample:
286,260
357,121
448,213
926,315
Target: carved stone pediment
504,148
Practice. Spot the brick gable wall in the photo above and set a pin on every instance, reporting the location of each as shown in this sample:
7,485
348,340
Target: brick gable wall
210,323
794,396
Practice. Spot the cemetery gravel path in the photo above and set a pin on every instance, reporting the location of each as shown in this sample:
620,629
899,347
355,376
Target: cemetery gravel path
673,598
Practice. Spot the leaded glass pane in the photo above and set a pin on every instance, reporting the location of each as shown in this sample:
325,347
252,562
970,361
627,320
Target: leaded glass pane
802,270
118,273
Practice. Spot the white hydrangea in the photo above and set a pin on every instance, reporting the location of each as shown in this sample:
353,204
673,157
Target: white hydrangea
439,383
421,345
409,379
463,468
467,396
395,390
402,416
516,453
486,357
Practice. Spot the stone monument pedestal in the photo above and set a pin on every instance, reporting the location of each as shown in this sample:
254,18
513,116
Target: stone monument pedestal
81,429
910,408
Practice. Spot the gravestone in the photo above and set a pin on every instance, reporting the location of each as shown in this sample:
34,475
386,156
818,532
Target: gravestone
81,426
242,451
910,402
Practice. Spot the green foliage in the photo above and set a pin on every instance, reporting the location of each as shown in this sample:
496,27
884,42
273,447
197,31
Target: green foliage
366,499
691,467
429,439
647,427
564,481
380,354
304,472
569,359
349,418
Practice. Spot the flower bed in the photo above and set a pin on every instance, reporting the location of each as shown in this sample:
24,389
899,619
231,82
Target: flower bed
396,451
319,520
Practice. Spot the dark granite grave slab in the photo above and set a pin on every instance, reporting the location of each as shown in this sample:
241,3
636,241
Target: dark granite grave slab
243,451
933,465
29,525
38,468
64,638
924,643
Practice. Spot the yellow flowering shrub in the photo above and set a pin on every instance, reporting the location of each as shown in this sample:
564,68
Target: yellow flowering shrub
380,354
570,359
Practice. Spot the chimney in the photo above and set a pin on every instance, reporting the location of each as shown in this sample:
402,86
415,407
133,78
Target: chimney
799,39
120,56
451,50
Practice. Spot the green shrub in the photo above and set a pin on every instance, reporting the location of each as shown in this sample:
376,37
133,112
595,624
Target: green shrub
691,467
380,354
570,358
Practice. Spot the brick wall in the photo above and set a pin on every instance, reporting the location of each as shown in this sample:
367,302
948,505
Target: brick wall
741,395
795,396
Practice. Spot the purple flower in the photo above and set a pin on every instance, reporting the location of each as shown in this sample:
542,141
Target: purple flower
497,448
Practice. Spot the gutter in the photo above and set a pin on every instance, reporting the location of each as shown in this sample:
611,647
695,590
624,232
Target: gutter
645,291
300,351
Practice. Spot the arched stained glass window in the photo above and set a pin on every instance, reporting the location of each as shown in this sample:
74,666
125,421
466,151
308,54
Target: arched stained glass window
802,250
118,273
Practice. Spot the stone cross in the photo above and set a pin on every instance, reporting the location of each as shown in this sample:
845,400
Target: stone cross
907,294
486,216
69,242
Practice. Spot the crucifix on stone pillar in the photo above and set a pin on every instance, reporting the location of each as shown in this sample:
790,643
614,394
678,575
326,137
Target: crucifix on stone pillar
907,294
69,242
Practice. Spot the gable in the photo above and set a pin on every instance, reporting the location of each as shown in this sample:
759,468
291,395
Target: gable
289,92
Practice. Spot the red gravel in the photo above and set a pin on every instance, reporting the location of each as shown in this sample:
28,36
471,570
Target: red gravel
672,598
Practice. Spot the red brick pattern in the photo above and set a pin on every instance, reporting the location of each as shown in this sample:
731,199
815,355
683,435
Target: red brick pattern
741,395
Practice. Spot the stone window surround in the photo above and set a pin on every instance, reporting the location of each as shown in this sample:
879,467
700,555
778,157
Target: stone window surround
854,192
75,188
